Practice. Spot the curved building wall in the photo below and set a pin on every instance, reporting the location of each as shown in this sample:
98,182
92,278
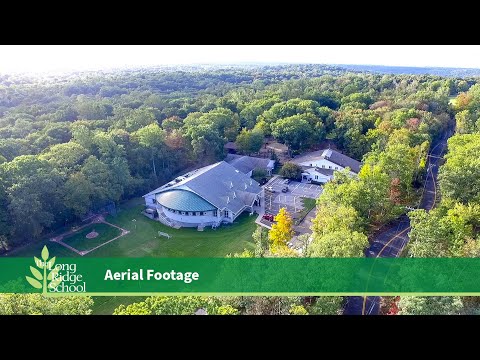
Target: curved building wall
188,217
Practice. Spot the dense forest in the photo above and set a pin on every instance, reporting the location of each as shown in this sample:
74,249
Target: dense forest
72,144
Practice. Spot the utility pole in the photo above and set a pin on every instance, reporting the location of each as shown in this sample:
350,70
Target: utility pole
153,162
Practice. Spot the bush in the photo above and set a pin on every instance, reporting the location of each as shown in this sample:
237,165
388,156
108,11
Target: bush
290,170
258,174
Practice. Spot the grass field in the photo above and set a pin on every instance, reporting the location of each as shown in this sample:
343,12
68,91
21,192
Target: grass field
144,241
79,241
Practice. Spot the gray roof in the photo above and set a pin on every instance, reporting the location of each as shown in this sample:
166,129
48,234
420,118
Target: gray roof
219,184
333,156
326,172
342,160
248,163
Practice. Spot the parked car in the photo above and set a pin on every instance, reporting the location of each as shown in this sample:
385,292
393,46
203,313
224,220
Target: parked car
270,188
285,189
286,181
268,217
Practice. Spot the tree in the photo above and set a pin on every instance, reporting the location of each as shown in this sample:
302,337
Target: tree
91,109
172,123
341,243
140,308
430,305
224,310
281,232
267,305
250,141
78,192
459,177
334,217
31,185
67,157
5,224
206,133
290,170
450,230
260,237
152,137
298,310
295,131
374,190
351,128
326,305
398,161
252,110
466,122
304,240
37,304
177,305
259,173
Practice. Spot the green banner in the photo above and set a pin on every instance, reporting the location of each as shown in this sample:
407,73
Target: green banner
239,276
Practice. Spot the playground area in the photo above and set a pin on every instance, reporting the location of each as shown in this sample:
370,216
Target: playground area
87,238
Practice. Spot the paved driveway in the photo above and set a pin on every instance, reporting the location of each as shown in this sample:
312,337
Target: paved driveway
291,200
297,188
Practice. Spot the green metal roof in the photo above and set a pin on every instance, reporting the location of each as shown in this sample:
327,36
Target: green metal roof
183,200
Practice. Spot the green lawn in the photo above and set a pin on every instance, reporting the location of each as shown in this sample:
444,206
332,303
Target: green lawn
79,241
143,241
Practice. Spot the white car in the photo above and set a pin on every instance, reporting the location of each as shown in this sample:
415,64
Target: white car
270,188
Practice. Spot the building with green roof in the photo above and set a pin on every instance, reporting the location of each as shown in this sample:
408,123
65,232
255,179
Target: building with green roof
208,196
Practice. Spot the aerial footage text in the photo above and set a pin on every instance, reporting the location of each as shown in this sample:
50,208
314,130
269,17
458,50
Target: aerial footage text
149,274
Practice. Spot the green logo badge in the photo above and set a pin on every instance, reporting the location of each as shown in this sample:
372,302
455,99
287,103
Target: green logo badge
40,277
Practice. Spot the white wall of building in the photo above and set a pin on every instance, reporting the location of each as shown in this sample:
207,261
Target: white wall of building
199,217
149,200
322,163
188,217
315,176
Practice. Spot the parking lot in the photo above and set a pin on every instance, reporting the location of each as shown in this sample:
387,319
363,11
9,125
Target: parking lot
291,200
296,188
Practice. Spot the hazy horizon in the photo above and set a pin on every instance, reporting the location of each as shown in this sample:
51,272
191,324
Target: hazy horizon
69,58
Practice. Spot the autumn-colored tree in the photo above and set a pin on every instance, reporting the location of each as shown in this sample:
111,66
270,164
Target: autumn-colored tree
298,310
463,100
413,124
395,192
281,232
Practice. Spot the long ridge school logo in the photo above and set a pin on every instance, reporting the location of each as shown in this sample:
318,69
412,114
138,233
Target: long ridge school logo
52,277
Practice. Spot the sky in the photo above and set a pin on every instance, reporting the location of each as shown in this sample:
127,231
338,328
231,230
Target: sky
60,58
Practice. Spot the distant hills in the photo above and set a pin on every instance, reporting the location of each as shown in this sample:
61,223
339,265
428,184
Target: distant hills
440,71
